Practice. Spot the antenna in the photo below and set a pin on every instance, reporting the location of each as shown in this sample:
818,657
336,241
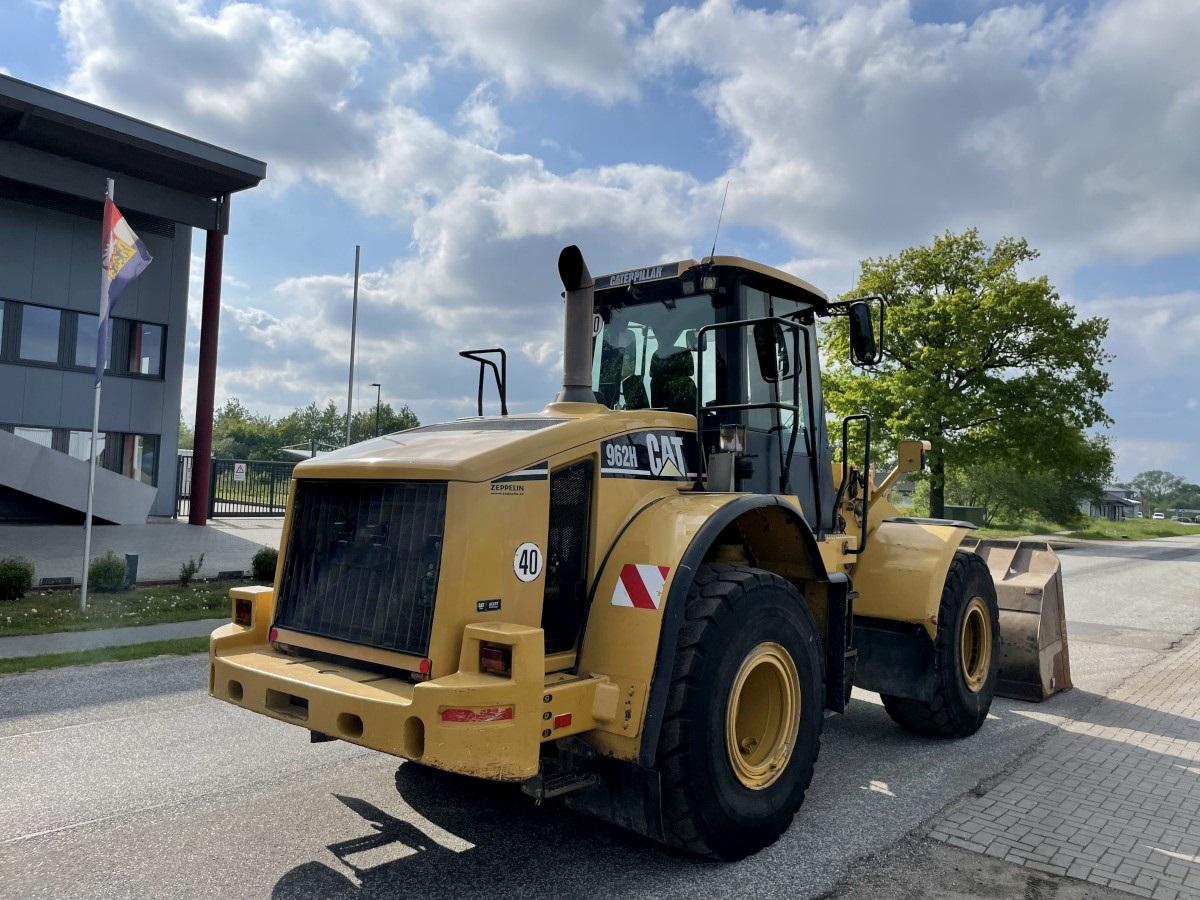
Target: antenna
720,216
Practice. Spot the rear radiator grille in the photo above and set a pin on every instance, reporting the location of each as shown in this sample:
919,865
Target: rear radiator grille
363,560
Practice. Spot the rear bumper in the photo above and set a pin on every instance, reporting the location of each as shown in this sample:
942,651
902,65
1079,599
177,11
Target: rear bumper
470,722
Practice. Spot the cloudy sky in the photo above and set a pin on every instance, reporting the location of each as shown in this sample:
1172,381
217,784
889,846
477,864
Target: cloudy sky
463,142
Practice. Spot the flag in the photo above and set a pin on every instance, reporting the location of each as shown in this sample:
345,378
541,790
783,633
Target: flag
123,256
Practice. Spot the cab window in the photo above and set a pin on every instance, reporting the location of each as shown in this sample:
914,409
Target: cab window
644,354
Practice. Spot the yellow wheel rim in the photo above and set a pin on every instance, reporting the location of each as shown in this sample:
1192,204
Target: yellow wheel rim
762,717
975,656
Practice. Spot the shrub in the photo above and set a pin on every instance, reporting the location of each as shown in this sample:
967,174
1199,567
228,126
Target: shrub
189,569
263,565
106,574
16,577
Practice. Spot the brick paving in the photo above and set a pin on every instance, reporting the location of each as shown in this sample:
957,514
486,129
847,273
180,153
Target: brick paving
1112,798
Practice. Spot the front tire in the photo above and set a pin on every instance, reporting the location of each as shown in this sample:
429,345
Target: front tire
743,722
966,656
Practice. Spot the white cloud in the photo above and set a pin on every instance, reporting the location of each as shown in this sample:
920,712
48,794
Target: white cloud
864,129
481,118
850,130
1134,455
250,77
581,46
1151,334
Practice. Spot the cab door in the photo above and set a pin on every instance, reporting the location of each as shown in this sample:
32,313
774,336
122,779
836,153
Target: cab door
769,431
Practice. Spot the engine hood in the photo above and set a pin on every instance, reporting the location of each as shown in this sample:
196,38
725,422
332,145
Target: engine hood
481,449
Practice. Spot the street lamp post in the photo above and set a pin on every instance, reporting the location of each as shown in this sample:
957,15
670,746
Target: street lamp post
378,390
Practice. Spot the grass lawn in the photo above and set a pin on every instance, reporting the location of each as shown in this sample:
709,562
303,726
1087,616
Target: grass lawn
1133,529
179,647
39,612
1018,529
1092,529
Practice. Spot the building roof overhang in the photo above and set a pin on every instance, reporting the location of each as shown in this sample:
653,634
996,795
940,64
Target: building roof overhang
64,144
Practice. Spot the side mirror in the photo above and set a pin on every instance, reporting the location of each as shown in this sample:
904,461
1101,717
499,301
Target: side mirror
863,349
771,349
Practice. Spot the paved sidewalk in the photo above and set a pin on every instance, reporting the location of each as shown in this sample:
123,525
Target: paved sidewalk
1112,798
69,641
228,545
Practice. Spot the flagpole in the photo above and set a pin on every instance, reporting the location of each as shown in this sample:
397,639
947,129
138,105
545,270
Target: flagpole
87,522
353,335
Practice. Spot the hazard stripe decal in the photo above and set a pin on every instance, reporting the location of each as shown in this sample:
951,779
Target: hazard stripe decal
539,472
640,586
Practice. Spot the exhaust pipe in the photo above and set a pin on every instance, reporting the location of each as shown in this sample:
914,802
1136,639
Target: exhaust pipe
577,328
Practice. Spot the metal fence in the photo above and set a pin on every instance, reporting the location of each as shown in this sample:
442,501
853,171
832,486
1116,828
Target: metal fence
237,487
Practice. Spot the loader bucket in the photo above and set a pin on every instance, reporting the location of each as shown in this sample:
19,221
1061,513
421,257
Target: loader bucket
1034,662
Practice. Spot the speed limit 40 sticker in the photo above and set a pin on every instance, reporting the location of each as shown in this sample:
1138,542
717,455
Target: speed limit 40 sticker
527,561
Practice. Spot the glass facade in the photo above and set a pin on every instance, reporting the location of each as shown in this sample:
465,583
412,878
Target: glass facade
59,337
145,349
141,457
86,329
132,455
39,333
43,436
78,443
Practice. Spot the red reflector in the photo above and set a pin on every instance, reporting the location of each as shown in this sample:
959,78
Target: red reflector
426,666
562,720
477,714
273,635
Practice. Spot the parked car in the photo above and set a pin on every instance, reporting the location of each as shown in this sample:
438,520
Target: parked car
1158,516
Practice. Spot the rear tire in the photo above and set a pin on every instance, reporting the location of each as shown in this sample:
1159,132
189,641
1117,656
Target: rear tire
743,721
966,656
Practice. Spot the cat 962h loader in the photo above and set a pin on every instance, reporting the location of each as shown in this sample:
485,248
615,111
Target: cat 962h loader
645,597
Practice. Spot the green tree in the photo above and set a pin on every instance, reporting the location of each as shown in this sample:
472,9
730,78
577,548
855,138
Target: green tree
1187,497
186,438
1007,485
240,434
985,364
390,420
324,426
1156,488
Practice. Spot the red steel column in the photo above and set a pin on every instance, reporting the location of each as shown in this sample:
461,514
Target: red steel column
206,378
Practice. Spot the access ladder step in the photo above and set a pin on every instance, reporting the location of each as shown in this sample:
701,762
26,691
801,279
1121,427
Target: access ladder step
542,787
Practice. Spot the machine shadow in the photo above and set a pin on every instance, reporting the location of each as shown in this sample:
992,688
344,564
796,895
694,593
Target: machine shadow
518,848
1120,714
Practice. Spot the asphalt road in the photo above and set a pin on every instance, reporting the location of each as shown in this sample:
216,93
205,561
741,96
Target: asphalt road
126,780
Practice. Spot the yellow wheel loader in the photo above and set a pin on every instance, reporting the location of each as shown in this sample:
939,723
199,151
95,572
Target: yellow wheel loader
646,597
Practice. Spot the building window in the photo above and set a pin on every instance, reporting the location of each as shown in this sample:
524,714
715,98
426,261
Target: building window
85,342
39,333
141,458
43,436
79,441
145,349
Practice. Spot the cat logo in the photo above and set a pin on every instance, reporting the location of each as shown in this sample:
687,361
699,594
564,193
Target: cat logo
670,455
667,459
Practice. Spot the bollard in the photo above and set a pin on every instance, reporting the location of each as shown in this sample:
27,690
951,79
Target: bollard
131,563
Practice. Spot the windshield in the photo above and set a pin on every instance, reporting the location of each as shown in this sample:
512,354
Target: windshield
644,355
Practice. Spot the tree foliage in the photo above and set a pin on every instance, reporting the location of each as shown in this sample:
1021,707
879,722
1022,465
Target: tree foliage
1161,490
994,369
240,434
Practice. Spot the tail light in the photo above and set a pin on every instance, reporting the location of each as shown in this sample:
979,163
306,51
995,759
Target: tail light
243,612
495,659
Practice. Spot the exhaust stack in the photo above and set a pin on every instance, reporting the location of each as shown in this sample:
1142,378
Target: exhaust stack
577,328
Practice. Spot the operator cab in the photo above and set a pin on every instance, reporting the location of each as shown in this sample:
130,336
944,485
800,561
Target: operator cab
739,337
